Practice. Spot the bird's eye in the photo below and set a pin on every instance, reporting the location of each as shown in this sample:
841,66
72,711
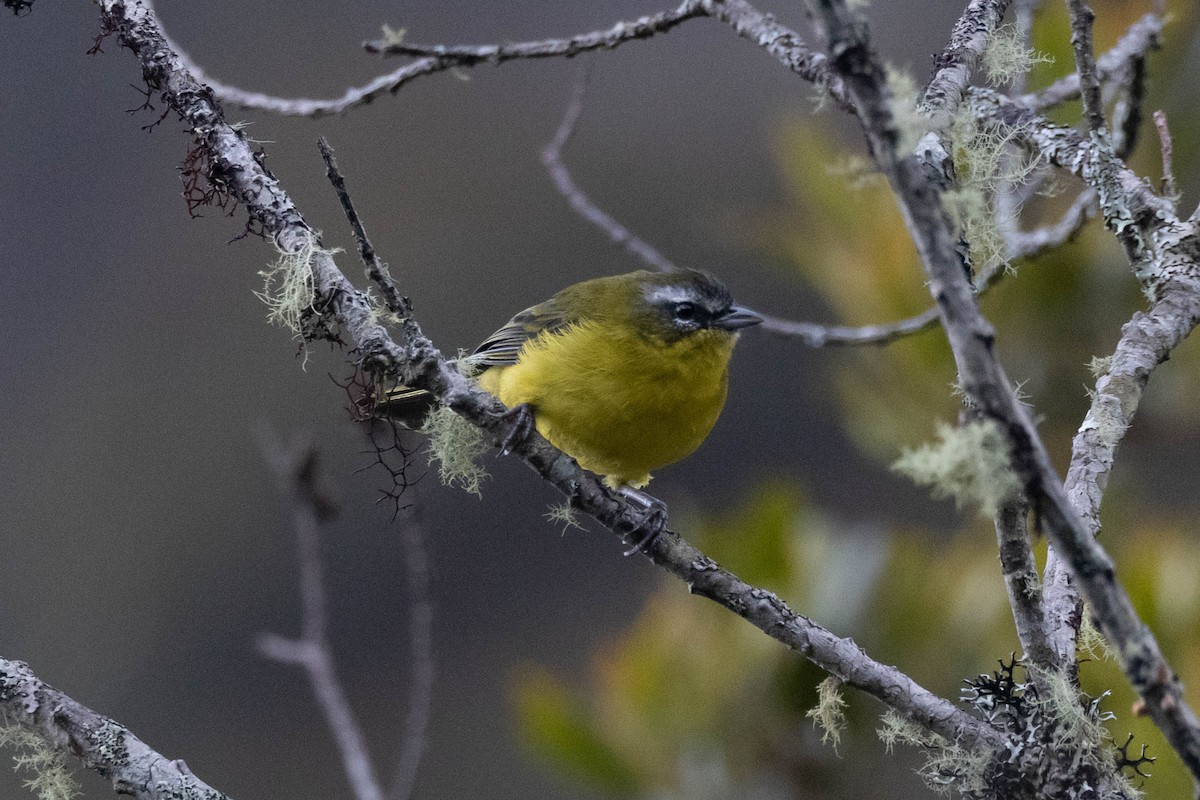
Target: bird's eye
685,312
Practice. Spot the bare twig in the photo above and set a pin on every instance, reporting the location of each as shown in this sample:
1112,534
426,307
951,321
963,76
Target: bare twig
1169,189
420,365
784,44
579,201
102,744
444,59
1024,586
955,65
1085,63
377,271
1141,37
420,636
1023,12
812,334
1024,244
296,471
815,335
471,55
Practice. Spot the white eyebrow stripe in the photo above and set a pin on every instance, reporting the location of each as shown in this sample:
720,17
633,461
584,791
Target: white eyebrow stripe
670,294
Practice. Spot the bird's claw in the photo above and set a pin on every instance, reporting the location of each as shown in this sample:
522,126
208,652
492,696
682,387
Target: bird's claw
519,422
653,523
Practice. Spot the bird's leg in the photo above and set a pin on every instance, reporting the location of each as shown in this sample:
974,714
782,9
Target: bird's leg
519,423
654,522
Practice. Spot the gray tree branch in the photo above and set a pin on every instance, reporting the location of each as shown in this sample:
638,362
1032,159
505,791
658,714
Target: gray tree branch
956,64
102,744
419,364
297,474
1137,220
1165,252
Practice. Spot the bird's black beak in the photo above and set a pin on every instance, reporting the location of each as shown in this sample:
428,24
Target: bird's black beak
736,318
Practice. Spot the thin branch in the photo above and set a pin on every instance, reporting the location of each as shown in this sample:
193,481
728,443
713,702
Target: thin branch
1026,244
420,365
955,65
815,335
579,201
296,471
1024,19
377,271
1082,17
102,744
420,636
1139,39
812,334
471,55
1024,586
784,44
1168,189
445,59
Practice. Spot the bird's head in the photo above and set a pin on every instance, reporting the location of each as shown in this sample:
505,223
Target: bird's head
674,305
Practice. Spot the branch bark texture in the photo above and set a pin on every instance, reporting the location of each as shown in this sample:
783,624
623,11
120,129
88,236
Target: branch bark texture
102,744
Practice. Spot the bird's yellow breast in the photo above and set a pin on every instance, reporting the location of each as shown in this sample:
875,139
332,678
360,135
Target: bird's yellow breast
621,404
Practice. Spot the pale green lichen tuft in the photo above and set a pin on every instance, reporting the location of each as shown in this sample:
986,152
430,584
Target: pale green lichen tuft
289,285
910,122
456,446
1100,365
986,158
52,779
829,713
1080,725
948,766
563,515
393,36
970,463
1006,56
1091,641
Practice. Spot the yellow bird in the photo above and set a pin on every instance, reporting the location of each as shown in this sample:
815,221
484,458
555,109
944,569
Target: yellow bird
625,374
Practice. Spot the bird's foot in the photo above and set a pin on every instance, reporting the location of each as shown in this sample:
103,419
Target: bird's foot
518,421
653,523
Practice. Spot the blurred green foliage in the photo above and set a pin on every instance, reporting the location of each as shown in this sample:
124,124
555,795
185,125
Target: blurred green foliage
692,702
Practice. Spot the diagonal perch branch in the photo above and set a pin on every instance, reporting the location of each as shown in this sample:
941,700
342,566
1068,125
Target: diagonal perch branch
102,744
419,364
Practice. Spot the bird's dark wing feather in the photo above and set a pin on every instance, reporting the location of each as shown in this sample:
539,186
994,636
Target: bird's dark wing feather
502,347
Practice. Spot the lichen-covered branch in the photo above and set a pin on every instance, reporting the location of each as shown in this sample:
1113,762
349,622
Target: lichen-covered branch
1149,231
955,65
102,744
419,364
1165,253
783,43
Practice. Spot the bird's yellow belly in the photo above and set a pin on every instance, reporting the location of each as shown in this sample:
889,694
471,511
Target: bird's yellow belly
620,408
